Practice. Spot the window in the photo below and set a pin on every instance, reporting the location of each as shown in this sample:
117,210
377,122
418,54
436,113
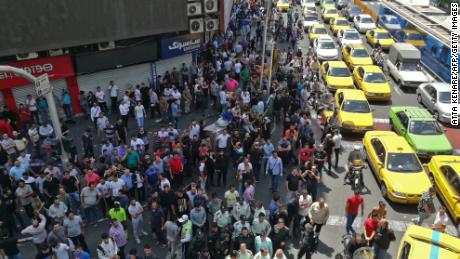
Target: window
378,149
326,67
447,172
340,99
405,251
348,49
444,97
361,72
455,184
402,117
371,33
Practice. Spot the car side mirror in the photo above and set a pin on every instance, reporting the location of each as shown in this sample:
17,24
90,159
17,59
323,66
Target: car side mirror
403,131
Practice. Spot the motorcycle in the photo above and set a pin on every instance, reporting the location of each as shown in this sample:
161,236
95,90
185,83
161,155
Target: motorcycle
356,178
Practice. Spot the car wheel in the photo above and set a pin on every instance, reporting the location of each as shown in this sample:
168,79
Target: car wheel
436,115
419,98
384,190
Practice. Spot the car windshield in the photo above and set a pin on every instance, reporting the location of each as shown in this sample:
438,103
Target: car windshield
374,78
414,36
311,9
444,97
339,72
410,67
403,162
328,2
320,31
351,36
326,45
356,106
331,11
310,18
359,53
341,23
366,20
425,127
382,35
285,1
392,20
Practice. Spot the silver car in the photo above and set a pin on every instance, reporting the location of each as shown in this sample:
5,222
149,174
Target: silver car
436,98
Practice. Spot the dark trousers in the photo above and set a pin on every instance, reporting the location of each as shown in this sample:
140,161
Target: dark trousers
221,176
124,118
256,169
329,162
317,227
103,106
337,154
159,234
80,240
113,104
177,182
35,117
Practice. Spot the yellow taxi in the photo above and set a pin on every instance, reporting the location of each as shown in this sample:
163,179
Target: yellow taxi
413,37
282,5
336,75
420,242
355,55
328,13
315,31
338,23
354,112
373,82
327,4
380,35
396,166
444,174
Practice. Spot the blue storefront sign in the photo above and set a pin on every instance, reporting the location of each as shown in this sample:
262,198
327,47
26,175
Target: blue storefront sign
181,45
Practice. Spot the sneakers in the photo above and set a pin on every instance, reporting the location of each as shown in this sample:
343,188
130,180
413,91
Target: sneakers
144,233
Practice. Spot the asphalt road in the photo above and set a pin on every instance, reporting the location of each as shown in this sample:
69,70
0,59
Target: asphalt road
332,189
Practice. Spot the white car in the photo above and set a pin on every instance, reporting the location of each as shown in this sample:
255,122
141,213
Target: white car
309,20
363,23
308,3
389,22
325,48
310,10
436,98
349,37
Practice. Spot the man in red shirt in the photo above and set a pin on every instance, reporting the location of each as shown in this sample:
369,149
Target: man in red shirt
175,170
90,177
351,210
370,226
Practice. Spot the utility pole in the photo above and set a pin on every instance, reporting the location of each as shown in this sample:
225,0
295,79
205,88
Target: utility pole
42,84
272,49
264,40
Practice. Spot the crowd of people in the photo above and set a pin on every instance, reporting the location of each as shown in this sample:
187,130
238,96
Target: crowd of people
121,172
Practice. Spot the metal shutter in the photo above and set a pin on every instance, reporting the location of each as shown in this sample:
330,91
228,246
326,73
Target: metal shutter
124,78
168,64
20,93
2,100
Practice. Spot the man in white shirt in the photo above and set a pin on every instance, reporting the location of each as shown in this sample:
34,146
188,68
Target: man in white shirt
237,67
46,130
113,88
176,95
244,173
95,111
116,185
441,220
101,122
222,141
136,141
139,112
223,97
124,111
194,129
31,104
100,97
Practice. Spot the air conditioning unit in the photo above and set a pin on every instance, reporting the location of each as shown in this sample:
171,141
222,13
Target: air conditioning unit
194,9
106,45
55,52
210,6
212,25
196,25
26,56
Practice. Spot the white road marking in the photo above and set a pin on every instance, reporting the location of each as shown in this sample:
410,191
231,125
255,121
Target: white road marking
396,88
396,225
382,121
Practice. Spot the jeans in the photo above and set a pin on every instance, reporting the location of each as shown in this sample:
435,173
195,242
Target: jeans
18,256
90,214
140,122
421,217
68,111
75,200
349,225
319,167
379,252
275,182
337,154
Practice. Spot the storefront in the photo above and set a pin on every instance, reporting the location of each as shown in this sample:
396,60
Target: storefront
127,67
176,51
14,89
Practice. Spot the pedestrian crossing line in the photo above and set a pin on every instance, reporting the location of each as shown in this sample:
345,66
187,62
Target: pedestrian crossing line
383,121
396,225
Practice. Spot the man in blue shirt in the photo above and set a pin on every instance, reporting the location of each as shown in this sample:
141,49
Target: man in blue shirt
127,177
17,170
78,253
275,168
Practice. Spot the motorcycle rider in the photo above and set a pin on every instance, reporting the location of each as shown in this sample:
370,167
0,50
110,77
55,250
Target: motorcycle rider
355,160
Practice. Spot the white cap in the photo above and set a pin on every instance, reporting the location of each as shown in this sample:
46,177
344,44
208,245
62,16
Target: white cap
356,147
183,219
